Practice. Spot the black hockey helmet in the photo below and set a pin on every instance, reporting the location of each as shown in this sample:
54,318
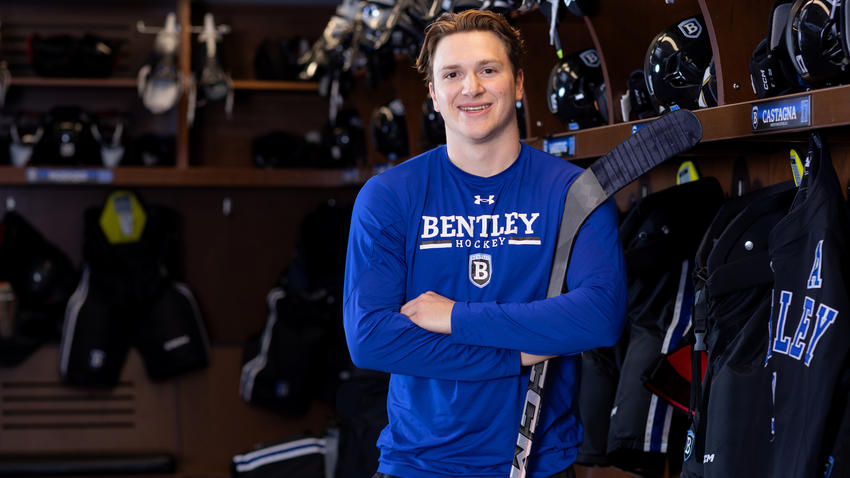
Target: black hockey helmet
574,84
343,141
67,138
433,126
389,130
676,61
813,39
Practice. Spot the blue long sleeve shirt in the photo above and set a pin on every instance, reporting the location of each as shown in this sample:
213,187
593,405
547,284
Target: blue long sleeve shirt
455,400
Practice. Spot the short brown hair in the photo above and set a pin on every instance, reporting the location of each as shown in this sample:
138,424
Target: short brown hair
469,21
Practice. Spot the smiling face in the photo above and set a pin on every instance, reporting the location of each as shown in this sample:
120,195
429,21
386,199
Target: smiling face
474,88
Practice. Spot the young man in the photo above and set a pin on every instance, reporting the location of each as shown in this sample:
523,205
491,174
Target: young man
447,268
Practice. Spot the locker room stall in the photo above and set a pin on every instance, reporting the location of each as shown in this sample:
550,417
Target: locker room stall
241,221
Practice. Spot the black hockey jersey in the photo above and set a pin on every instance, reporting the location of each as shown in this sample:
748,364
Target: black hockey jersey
807,352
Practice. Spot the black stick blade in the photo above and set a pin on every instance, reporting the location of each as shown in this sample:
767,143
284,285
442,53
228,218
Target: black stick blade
658,141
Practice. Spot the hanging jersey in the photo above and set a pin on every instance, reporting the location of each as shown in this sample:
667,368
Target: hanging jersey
734,275
807,351
734,409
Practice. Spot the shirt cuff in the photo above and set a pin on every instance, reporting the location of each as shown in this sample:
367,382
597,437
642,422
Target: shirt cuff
466,332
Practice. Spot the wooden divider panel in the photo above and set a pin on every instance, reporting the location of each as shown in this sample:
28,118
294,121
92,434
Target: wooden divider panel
736,28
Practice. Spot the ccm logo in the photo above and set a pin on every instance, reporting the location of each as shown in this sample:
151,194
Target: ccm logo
708,458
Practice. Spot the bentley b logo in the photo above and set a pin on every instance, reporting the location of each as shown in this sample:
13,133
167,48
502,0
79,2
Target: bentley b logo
480,269
590,58
690,28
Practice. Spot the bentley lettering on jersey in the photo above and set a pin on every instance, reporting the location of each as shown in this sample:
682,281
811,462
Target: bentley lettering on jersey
795,346
815,317
485,231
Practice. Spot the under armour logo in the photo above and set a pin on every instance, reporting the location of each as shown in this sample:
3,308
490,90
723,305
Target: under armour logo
489,200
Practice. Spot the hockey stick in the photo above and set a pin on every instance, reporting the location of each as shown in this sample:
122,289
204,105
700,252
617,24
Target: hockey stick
650,146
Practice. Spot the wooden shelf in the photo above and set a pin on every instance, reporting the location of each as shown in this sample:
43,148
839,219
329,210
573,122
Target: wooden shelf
189,177
830,107
74,82
263,85
251,177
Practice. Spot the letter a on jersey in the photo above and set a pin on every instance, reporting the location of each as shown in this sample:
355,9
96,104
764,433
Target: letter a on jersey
480,269
814,281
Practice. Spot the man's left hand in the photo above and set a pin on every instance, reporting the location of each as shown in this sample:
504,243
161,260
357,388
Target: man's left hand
431,311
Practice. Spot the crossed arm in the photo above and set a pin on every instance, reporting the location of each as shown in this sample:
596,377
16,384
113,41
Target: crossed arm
433,312
434,336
